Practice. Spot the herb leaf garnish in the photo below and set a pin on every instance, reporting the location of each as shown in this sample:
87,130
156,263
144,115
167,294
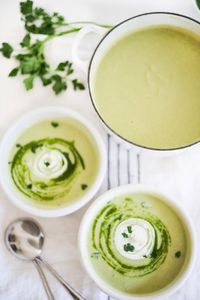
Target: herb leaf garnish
54,124
34,147
18,145
31,58
84,186
129,228
125,235
178,254
129,248
29,186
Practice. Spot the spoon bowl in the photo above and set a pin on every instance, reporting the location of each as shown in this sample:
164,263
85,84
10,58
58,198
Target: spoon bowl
24,238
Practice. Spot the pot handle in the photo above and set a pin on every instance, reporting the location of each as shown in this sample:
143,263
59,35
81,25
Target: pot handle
97,32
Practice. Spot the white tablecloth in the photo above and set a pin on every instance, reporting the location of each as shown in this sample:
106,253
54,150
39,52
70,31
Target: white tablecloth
179,176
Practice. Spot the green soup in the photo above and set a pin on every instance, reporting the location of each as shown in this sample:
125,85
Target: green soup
137,244
54,163
147,87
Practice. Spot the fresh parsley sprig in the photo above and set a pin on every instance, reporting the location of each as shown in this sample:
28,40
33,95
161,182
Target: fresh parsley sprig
31,58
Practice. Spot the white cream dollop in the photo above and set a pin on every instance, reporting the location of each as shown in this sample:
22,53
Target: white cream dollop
49,164
142,238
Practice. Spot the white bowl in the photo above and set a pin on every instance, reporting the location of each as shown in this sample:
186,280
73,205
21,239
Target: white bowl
9,141
83,243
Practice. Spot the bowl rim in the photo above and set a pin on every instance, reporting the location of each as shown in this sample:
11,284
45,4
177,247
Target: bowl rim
91,94
119,191
38,115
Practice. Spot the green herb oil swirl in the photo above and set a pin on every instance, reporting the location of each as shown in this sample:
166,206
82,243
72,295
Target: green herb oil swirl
45,169
103,233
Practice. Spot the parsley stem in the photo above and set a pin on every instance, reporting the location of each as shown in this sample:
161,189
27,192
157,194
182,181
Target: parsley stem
87,22
68,31
50,37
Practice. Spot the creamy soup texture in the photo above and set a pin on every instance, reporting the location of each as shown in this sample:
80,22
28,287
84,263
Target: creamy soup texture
137,244
54,162
147,87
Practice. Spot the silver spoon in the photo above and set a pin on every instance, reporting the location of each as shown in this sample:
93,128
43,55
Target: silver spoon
24,238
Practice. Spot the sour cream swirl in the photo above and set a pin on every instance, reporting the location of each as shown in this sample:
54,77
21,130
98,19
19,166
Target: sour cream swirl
128,238
137,233
49,164
46,169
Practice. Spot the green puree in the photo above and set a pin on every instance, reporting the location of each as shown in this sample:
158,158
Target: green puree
53,163
151,272
147,87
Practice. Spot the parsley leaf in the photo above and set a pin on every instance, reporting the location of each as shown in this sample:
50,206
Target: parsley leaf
125,235
29,186
34,147
84,186
18,146
62,66
26,7
129,248
26,41
54,124
45,81
30,65
69,70
59,84
6,50
77,85
28,82
178,254
13,72
129,229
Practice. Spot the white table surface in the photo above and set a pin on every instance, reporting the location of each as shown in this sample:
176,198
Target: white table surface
179,176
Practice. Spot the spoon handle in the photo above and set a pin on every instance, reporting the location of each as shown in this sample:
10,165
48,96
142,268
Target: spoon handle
44,280
72,291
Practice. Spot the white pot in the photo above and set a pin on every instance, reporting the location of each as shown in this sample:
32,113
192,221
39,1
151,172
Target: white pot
90,65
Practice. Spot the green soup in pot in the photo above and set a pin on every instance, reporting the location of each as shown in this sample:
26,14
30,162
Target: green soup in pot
54,163
146,87
137,244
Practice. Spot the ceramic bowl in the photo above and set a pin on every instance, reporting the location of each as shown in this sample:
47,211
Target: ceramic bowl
86,260
9,140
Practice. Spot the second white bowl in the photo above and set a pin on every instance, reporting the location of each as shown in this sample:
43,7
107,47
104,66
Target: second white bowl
9,140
